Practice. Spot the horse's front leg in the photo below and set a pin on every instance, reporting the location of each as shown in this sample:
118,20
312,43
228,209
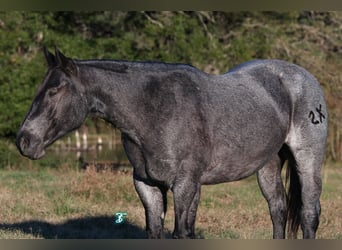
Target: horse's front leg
154,200
186,194
153,197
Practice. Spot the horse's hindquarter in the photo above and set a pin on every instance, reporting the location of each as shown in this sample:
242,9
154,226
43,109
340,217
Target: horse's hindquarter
249,120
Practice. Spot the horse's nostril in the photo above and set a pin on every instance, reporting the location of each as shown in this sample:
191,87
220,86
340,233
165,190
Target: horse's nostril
23,142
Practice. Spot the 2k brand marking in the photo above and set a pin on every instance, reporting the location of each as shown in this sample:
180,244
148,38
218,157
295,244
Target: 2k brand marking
320,118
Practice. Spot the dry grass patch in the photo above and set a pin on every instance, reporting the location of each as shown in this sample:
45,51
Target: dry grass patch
69,203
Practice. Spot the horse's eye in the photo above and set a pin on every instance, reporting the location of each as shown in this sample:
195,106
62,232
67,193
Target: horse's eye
53,91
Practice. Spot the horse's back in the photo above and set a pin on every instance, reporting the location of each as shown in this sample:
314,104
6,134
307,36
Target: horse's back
293,77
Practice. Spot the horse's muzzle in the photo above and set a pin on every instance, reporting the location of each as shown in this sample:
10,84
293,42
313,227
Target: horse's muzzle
30,146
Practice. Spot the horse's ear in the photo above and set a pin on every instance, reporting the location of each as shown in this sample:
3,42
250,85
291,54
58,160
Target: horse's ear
50,58
66,64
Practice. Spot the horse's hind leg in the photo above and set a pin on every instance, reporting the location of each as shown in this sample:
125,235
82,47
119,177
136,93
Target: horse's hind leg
271,185
307,145
306,139
309,162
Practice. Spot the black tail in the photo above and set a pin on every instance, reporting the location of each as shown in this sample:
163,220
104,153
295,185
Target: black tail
294,198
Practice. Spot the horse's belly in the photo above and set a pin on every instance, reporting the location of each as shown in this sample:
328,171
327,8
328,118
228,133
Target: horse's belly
235,162
232,168
227,173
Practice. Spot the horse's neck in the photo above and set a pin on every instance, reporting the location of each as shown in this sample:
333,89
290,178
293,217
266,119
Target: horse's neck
110,93
122,92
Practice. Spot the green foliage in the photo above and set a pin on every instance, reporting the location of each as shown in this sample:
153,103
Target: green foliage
8,155
211,41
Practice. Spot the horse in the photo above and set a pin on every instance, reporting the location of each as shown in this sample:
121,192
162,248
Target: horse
183,128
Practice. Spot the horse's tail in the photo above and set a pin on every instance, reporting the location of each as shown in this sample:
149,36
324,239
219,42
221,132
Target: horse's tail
294,198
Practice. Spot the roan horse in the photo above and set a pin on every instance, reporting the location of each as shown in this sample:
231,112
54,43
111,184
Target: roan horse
182,128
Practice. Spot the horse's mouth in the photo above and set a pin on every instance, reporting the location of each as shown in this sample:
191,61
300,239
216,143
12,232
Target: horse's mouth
33,154
37,155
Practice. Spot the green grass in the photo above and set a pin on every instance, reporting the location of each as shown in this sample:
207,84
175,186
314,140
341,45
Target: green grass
70,203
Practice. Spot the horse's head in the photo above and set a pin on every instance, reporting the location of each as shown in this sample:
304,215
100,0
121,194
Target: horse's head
59,107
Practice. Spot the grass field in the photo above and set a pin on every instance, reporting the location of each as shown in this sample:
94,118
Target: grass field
70,203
